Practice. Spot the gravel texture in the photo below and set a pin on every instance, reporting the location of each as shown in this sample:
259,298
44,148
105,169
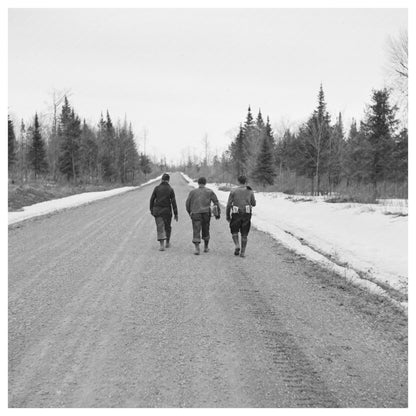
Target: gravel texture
98,317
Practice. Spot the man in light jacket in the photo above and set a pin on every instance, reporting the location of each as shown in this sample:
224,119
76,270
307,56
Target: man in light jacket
198,206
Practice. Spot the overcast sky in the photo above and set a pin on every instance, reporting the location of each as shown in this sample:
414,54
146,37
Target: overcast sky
184,73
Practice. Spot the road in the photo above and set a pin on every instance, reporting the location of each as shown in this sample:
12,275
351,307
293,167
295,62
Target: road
98,317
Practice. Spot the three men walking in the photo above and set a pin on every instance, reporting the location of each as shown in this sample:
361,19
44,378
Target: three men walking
201,204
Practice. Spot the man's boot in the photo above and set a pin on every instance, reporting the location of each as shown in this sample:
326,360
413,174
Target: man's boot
196,252
206,249
243,246
167,243
237,245
162,245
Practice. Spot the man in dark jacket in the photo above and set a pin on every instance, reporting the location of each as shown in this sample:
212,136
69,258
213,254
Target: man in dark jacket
161,203
238,214
198,206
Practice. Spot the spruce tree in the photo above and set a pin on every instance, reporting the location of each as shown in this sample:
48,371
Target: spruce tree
335,152
145,164
11,144
251,141
238,152
37,152
108,152
265,172
381,124
69,133
400,157
88,152
313,143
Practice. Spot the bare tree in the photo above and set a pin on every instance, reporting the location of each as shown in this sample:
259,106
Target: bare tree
397,68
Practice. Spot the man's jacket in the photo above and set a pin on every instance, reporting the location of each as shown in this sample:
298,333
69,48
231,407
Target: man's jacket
240,197
199,200
163,198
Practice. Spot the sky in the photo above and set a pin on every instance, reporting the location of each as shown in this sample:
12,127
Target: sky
182,74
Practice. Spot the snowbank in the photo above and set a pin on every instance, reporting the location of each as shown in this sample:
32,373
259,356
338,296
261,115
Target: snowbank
53,205
351,239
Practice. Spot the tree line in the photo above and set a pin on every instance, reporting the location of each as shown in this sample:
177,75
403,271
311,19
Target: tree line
71,149
321,152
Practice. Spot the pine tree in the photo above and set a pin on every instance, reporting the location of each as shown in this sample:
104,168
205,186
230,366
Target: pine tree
11,144
145,164
313,143
380,126
251,141
335,153
69,133
37,152
23,152
259,121
88,152
264,173
108,151
238,153
400,157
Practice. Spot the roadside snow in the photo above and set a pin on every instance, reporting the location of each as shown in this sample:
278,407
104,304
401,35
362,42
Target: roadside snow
351,239
43,208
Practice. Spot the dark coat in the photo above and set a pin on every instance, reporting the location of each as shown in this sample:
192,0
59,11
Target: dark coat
163,200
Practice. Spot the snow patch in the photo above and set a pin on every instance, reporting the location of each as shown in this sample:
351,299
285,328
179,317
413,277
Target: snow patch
47,207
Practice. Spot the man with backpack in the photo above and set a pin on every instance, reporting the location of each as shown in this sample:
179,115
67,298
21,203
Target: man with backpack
162,202
198,206
238,214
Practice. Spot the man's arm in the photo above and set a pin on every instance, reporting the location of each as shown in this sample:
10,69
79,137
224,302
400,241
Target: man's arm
229,205
214,200
252,200
173,202
188,203
152,200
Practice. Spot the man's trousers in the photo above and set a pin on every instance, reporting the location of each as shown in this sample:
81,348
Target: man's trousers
200,225
163,218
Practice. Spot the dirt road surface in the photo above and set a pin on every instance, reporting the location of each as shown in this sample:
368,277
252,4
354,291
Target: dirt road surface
98,317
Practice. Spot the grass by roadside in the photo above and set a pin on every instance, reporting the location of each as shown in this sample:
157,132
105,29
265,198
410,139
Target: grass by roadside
21,195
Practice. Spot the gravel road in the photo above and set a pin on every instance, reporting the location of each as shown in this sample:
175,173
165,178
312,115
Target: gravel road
98,317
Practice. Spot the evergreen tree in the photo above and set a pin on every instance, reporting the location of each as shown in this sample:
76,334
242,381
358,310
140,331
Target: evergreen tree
88,152
11,144
380,126
108,151
37,152
259,122
238,153
251,141
335,153
264,172
313,143
400,157
145,164
69,133
132,158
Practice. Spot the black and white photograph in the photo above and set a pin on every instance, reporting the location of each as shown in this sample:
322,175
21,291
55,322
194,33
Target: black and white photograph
207,205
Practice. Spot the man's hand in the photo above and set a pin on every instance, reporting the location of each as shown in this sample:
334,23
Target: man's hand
176,217
228,219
